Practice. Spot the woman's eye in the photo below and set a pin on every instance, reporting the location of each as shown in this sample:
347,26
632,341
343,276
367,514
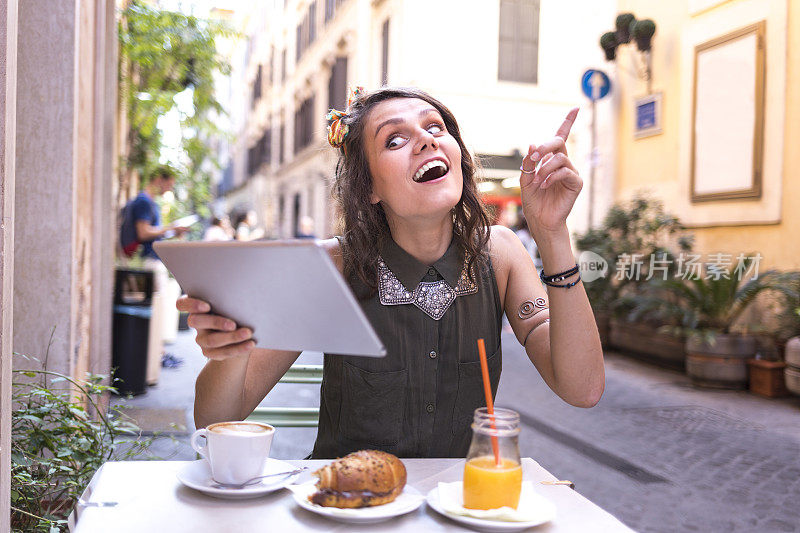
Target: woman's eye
394,141
435,128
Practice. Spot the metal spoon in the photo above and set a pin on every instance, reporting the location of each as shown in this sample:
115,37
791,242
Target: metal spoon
84,503
218,485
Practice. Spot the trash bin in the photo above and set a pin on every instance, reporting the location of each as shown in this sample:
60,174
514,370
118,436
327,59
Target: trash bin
131,327
133,297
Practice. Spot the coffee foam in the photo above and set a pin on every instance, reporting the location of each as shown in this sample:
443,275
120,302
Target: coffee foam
238,428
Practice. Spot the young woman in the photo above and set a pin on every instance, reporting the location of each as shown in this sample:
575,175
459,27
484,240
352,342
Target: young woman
432,277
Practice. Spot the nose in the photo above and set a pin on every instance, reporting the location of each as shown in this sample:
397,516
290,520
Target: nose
427,140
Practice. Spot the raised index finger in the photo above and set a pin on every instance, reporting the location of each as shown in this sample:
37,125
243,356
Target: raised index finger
566,126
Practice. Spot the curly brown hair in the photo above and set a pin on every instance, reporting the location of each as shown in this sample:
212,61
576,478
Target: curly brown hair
363,224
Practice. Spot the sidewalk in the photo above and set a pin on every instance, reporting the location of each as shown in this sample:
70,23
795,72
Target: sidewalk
657,453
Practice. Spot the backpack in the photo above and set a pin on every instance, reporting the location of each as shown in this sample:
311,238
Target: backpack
128,240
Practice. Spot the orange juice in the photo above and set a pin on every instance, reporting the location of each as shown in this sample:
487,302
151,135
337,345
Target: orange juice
488,486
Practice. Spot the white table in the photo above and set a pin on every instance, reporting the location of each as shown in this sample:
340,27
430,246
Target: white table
151,499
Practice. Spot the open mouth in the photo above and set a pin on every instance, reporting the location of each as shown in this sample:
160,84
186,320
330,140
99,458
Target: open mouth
432,170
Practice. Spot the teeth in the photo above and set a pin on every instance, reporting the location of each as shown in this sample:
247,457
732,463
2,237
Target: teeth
427,166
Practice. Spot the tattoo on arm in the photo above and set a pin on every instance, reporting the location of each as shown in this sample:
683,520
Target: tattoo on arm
530,308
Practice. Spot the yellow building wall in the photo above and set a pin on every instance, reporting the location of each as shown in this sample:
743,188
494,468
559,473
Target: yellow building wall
654,163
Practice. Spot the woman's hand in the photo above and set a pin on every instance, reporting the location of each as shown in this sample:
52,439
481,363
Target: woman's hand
549,193
217,335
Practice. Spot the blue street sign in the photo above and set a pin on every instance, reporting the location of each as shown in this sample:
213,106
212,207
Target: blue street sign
595,84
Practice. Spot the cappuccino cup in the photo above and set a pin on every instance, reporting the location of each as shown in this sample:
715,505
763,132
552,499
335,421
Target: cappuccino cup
236,451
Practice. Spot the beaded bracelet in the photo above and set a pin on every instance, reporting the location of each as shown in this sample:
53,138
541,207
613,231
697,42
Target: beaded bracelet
566,285
561,276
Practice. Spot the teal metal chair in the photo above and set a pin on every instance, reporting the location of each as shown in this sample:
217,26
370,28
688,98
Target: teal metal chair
296,417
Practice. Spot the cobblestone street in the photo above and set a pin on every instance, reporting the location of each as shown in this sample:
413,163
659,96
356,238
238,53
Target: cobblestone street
661,455
655,452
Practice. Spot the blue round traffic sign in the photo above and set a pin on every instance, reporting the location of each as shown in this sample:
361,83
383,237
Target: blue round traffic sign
595,84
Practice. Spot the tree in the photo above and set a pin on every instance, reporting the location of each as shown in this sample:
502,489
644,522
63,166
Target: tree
164,53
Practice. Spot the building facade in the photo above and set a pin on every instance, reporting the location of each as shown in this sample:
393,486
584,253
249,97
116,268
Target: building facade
725,158
508,69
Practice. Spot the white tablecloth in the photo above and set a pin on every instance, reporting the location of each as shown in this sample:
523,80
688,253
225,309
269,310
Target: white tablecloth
151,499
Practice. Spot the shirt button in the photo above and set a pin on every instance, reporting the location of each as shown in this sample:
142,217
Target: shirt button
429,408
431,271
432,355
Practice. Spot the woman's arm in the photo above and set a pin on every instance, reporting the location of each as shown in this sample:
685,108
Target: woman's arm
566,350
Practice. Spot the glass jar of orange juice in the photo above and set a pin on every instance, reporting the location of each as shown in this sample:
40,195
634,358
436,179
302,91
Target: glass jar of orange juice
489,484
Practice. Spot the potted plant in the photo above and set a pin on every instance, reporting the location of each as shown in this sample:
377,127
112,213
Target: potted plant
59,438
623,24
707,307
638,228
643,31
788,335
608,42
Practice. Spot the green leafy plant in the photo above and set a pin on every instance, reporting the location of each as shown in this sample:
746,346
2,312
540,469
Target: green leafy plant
164,54
707,305
60,436
638,228
789,317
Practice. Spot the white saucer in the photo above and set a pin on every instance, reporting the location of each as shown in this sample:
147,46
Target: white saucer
197,475
546,513
409,500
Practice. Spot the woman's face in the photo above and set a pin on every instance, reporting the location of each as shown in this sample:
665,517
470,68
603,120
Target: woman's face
414,161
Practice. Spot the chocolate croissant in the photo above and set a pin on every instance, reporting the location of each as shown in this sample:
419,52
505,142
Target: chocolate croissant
360,479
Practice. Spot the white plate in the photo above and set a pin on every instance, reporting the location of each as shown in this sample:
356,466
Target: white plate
409,500
197,475
547,514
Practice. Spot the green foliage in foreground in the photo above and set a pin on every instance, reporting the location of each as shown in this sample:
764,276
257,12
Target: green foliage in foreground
57,444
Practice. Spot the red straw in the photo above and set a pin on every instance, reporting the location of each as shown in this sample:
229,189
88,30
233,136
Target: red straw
487,389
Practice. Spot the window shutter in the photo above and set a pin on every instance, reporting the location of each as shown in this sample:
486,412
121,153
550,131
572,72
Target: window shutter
385,53
337,85
506,57
518,50
312,22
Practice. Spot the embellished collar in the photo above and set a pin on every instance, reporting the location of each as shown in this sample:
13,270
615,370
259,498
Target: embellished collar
404,286
410,271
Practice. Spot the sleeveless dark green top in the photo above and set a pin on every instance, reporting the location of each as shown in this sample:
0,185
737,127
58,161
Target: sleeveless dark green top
419,400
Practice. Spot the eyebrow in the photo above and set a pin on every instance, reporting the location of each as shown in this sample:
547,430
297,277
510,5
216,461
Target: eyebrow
423,112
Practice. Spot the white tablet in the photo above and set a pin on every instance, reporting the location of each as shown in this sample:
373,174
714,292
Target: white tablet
288,292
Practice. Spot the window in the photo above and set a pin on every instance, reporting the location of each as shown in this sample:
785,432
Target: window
282,144
331,7
257,86
337,85
304,125
519,41
272,66
385,53
259,153
299,43
306,30
312,22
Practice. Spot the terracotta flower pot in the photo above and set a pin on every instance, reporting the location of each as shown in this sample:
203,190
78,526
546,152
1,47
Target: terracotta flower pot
767,378
721,364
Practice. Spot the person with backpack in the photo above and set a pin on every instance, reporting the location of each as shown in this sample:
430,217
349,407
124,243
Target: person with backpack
141,217
141,227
